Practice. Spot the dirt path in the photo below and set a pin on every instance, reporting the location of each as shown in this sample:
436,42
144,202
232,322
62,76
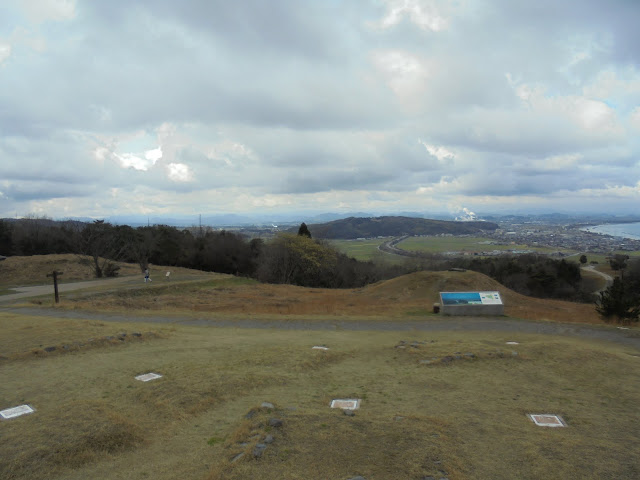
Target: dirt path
608,278
628,337
37,290
126,282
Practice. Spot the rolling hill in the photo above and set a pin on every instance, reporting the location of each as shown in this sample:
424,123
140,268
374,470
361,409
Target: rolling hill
356,227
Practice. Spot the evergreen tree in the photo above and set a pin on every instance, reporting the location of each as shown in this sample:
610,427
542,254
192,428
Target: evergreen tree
303,231
619,302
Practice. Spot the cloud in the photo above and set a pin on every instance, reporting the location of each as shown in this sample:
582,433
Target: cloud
5,52
131,160
398,104
39,11
426,14
179,172
634,119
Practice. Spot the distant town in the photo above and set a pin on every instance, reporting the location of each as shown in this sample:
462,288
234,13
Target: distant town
561,236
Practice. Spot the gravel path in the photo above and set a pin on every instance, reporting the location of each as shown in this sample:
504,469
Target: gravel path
608,278
37,290
629,337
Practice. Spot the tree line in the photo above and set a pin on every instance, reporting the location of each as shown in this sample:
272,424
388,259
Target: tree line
288,258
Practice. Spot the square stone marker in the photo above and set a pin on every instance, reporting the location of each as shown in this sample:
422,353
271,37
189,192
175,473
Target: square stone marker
513,343
319,348
148,376
16,411
346,403
547,420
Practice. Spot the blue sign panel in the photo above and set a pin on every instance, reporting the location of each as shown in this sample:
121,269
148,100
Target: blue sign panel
470,298
461,298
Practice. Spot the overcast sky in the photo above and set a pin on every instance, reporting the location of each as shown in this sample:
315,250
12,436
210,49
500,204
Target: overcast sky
163,107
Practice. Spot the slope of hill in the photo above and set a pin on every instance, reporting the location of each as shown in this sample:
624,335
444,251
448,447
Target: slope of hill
353,227
409,295
423,288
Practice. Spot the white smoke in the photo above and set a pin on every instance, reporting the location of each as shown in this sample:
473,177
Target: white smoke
466,216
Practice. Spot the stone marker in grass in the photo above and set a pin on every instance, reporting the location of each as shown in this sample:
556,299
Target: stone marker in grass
547,420
319,347
148,377
346,403
16,411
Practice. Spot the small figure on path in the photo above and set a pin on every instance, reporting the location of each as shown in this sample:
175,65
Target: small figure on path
146,276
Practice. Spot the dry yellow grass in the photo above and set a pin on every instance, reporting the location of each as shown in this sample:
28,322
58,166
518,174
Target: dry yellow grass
464,418
33,270
412,294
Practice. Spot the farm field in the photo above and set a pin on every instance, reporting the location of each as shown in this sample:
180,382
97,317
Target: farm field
464,245
368,249
365,250
447,402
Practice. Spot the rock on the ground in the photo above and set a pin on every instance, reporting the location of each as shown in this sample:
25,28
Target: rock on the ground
275,422
259,450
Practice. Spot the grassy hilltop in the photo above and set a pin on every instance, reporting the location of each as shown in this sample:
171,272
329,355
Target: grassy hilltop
446,404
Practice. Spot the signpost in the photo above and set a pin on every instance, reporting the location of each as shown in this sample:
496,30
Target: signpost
55,274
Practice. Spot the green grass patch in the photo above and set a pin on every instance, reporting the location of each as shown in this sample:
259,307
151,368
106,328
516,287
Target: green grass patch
365,250
466,245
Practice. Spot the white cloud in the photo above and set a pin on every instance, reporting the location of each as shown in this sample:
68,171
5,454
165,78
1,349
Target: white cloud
587,113
440,153
179,172
5,52
426,14
231,153
101,153
40,11
405,73
611,84
153,155
132,160
560,162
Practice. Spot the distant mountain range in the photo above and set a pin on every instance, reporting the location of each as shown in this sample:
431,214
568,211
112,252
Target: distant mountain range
285,220
358,227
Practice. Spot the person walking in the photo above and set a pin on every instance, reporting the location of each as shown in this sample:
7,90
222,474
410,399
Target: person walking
146,276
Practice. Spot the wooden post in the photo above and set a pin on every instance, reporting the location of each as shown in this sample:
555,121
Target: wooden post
55,274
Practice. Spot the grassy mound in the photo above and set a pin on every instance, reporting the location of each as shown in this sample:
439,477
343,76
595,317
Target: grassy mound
408,295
